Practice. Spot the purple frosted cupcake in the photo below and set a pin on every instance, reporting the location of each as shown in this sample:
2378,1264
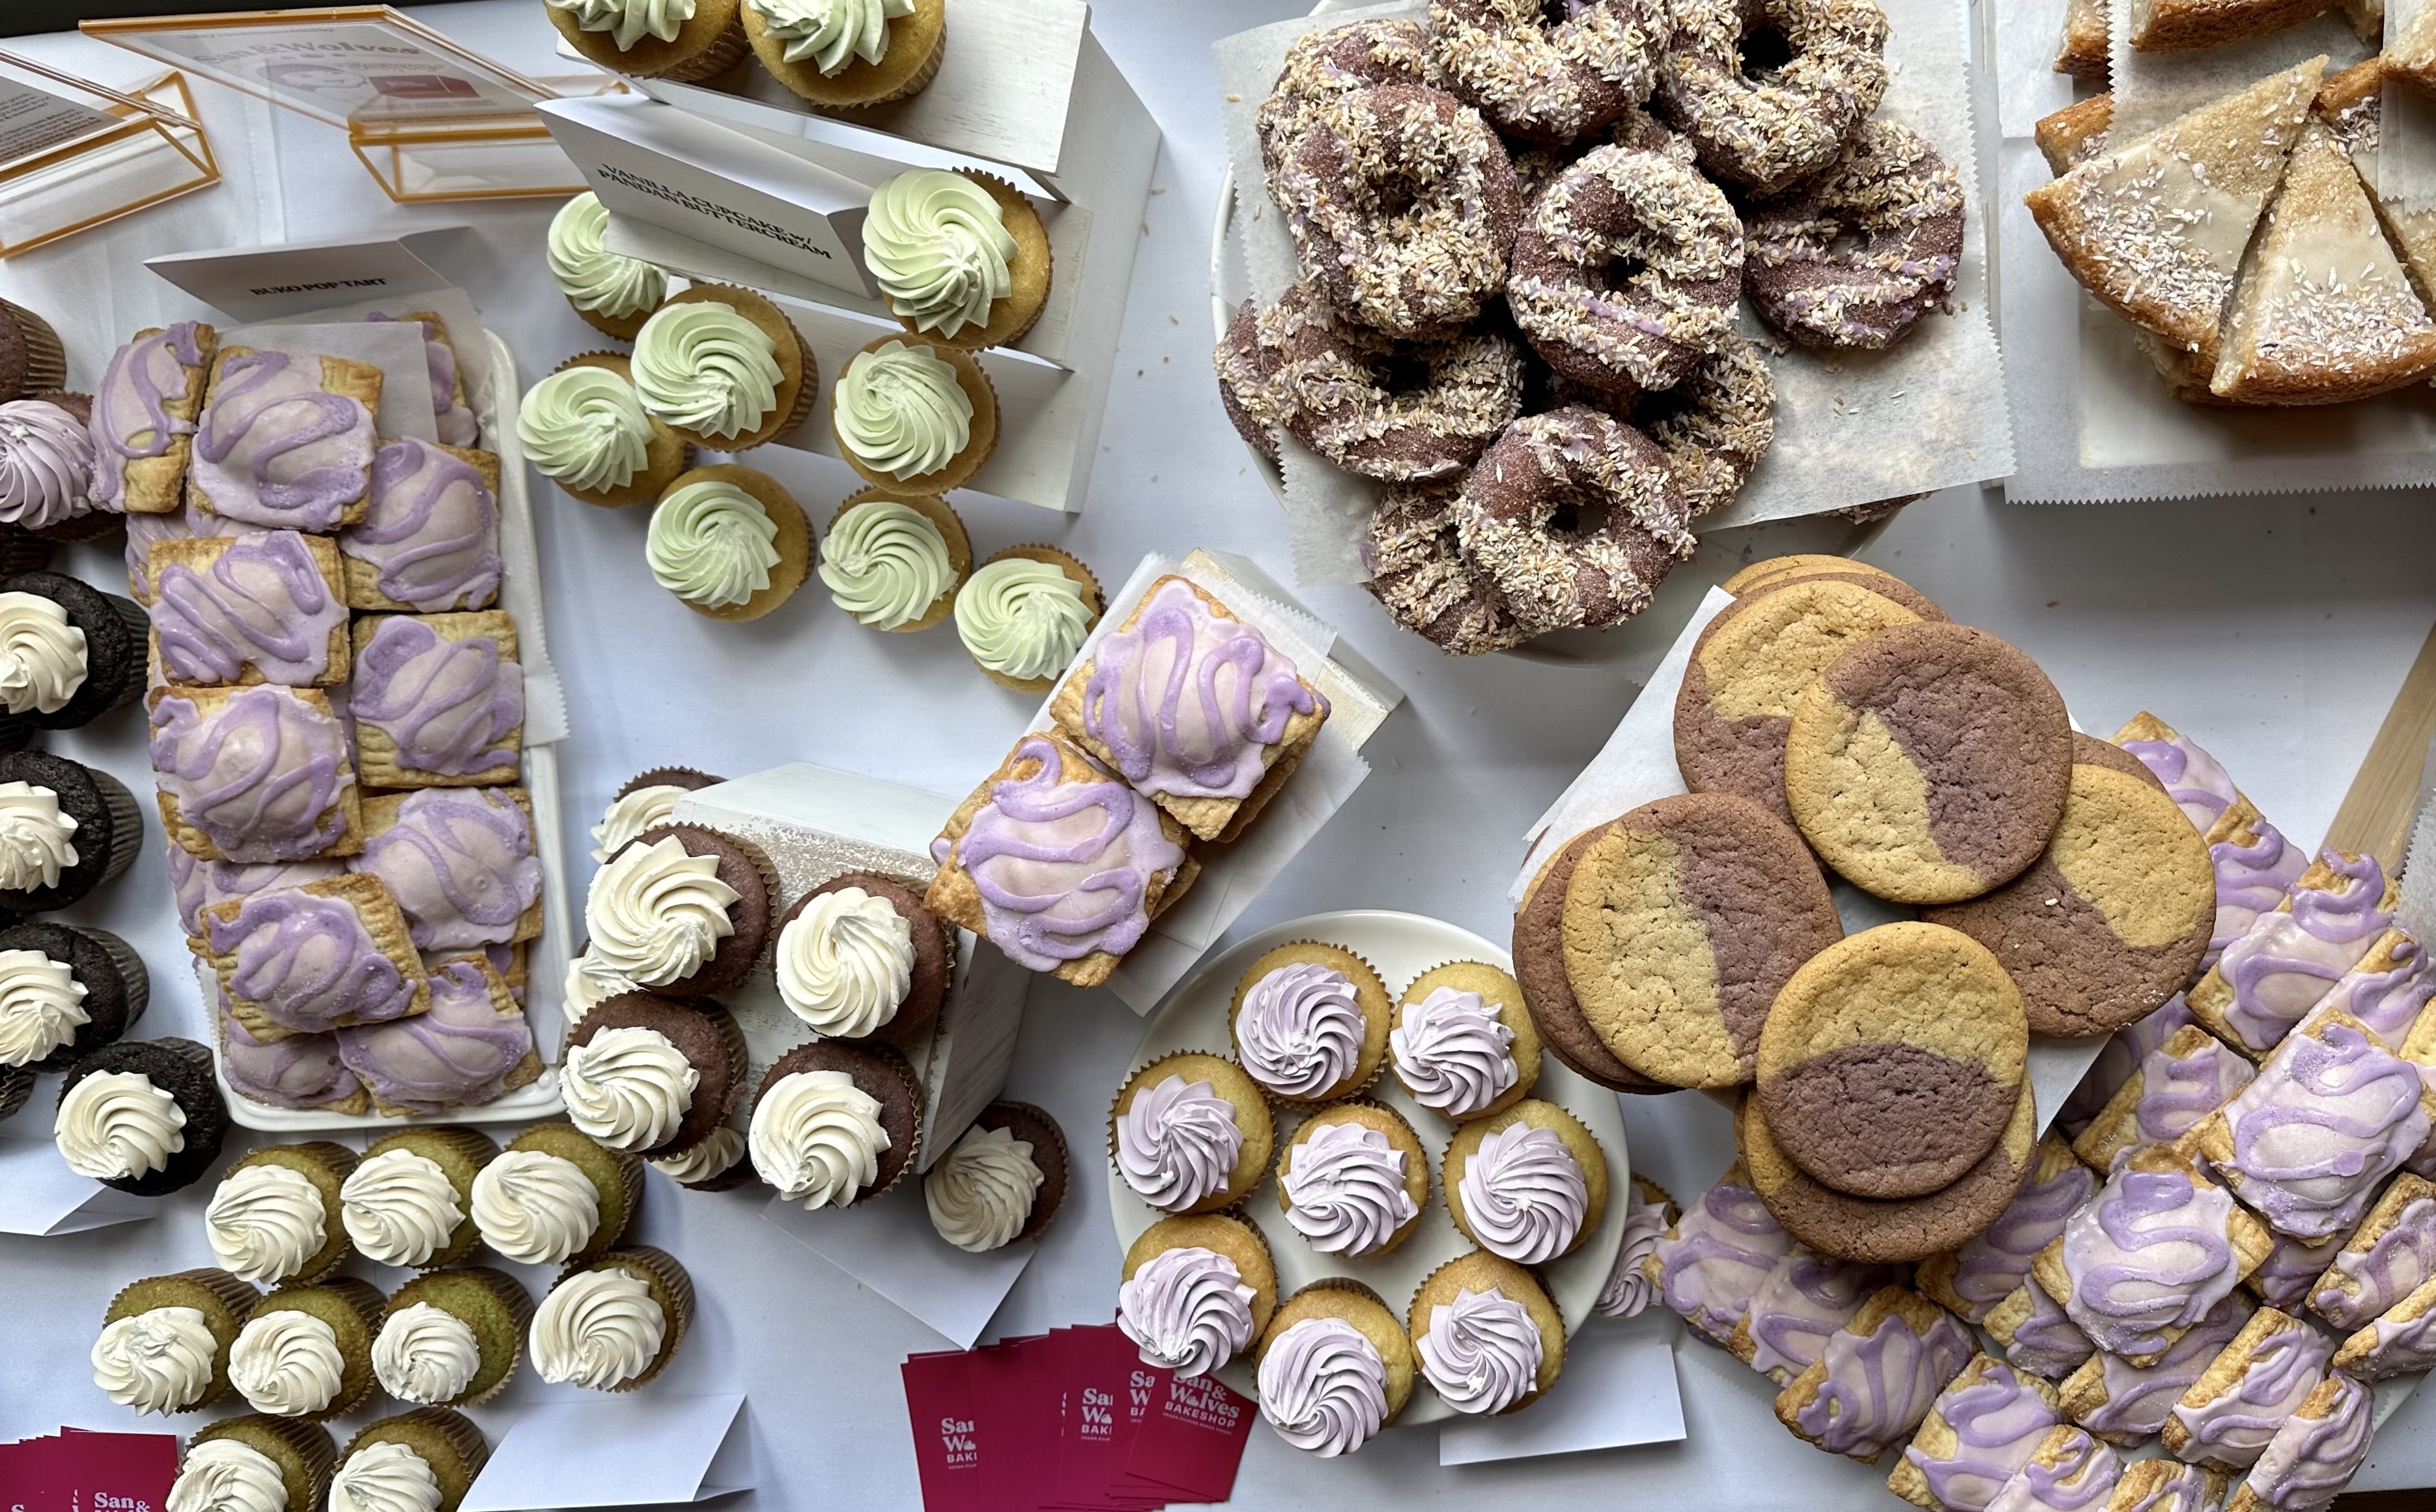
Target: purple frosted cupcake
301,1071
460,862
430,542
473,1046
46,466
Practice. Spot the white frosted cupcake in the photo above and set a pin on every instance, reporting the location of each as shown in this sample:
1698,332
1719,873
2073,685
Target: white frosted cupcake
1024,613
896,560
729,541
615,294
613,1324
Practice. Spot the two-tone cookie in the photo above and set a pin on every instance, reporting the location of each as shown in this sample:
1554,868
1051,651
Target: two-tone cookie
1547,991
1929,763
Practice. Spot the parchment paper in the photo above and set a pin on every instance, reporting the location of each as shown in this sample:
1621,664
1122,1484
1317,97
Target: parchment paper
2152,88
397,349
1852,428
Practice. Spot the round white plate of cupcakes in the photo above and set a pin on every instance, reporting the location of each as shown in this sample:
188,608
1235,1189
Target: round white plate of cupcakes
1345,1125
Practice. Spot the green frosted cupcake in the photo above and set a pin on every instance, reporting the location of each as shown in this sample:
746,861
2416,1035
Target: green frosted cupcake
275,1218
164,1343
307,1350
556,1194
262,1464
410,1202
452,1338
424,1459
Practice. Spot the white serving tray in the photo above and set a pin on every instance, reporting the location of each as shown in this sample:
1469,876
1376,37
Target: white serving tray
1401,946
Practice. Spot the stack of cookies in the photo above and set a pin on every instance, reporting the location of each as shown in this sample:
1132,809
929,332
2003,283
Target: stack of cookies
1085,832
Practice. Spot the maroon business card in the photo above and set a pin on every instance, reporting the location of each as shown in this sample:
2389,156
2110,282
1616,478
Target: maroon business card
1193,1437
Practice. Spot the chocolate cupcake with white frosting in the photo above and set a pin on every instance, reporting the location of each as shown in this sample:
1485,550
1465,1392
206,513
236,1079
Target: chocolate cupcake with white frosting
653,1076
65,828
143,1116
64,993
648,801
834,1123
861,957
1000,1183
69,653
681,910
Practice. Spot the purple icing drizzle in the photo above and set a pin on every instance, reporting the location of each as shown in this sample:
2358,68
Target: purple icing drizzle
262,603
1998,1422
1718,1258
2285,964
2158,1259
1801,1303
2232,1429
299,473
460,862
2177,1092
2083,1476
451,706
2283,1279
261,777
1054,890
1242,693
2138,1398
2249,880
1879,1386
2046,1342
300,1071
2393,1265
455,1055
2192,777
1989,1267
432,530
2120,1057
134,400
2399,1348
2312,1459
2389,999
308,960
198,883
2333,1114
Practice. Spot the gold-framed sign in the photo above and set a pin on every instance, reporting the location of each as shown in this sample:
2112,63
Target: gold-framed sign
75,154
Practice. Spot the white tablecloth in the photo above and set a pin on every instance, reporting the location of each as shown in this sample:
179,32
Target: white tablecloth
2275,631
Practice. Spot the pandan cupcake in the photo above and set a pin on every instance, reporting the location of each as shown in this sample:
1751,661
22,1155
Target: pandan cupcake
843,53
1528,1184
719,1163
1191,1132
1336,1366
1353,1179
724,368
682,911
651,1076
681,40
861,957
896,560
410,1201
422,1461
1196,1291
143,1116
729,541
69,653
452,1338
961,257
1002,1182
46,467
31,360
834,1125
555,1194
1309,1023
1463,1044
276,1218
255,1464
586,428
1488,1337
65,828
307,1351
64,993
1024,613
914,417
164,1346
614,294
646,801
613,1324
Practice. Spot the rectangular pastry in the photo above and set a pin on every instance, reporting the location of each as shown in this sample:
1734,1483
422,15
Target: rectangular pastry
2117,1059
2390,1254
2389,989
2035,1334
300,1071
438,701
255,774
2148,1256
2195,780
2181,1082
2400,1341
2128,1404
2069,1471
1193,707
2315,1454
259,608
460,861
2284,1277
1877,1376
451,417
2082,50
144,417
286,440
2226,1417
2331,1115
2287,962
1805,1298
1984,1426
313,958
2255,867
429,539
1709,1265
1058,862
1972,1281
2162,1486
198,884
473,1047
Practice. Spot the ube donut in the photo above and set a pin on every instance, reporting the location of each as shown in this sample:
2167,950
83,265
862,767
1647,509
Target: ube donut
1573,517
1419,575
1887,187
1544,78
1398,410
1715,424
1248,383
1324,64
1763,123
1402,205
1674,239
1537,163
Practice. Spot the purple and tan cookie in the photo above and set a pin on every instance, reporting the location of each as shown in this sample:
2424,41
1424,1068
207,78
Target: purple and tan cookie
2114,917
1882,1231
2178,1085
2226,1417
1877,1377
2151,1255
1929,763
1681,922
1749,667
2388,1255
1978,1277
2128,1404
1548,992
1892,1061
1985,1425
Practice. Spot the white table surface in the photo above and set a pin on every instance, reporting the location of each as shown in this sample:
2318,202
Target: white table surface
2273,630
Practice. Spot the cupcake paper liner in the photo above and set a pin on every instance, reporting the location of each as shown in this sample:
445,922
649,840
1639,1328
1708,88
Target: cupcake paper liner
308,1439
454,1428
22,550
903,1071
630,1176
670,777
126,824
16,1087
715,59
1304,1104
237,1295
46,361
135,982
510,1295
679,1286
951,529
1038,1220
616,327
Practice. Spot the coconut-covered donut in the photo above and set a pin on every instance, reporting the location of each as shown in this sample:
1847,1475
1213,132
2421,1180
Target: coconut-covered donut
1626,270
1715,424
1248,383
1323,64
1402,205
1537,163
1419,575
1396,410
1573,517
1768,90
1549,77
1888,188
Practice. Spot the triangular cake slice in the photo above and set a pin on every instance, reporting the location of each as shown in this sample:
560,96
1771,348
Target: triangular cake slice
2352,106
2412,52
2176,25
2156,228
2325,313
2071,136
2082,51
